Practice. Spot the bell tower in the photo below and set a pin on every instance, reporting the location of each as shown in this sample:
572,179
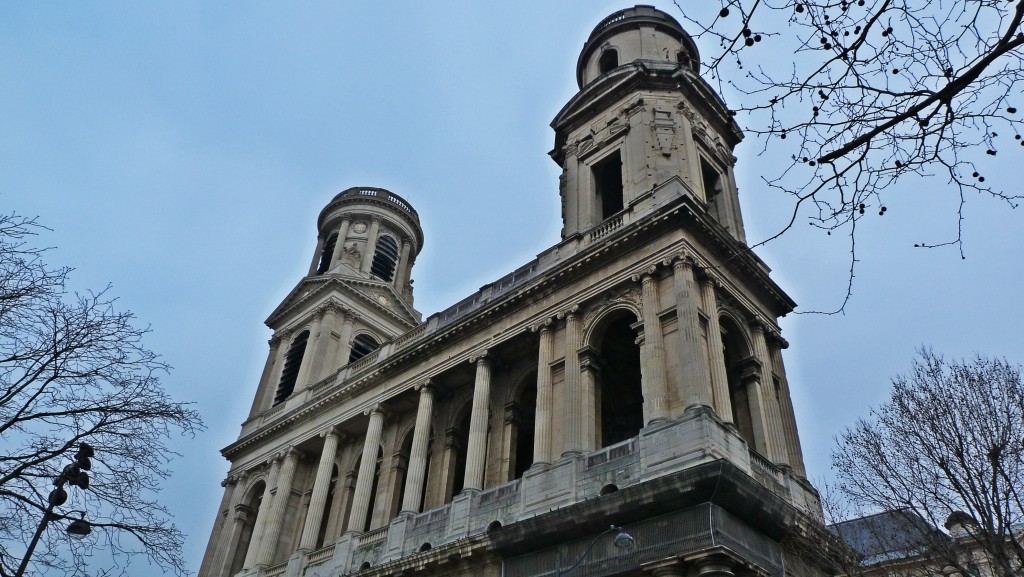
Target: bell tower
644,128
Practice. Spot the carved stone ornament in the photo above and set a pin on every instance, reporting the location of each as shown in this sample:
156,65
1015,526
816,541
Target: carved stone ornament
351,254
629,296
359,227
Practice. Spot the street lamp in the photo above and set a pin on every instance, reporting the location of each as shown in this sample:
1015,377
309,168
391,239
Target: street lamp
73,474
622,541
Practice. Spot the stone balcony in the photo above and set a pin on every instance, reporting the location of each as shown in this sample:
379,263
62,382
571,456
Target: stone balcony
660,452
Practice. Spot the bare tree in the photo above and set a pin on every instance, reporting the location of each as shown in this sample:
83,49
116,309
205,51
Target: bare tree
946,449
74,369
876,91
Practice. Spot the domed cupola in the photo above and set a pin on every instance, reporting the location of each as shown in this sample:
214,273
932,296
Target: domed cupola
637,33
369,233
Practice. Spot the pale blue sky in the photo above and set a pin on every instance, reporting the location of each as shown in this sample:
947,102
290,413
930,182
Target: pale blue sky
182,152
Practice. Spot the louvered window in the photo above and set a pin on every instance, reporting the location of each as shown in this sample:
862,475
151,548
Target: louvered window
327,253
292,362
362,345
384,258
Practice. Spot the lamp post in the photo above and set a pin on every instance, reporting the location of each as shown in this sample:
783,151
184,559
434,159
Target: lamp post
622,541
74,474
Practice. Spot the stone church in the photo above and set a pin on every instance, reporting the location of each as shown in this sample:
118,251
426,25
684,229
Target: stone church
617,406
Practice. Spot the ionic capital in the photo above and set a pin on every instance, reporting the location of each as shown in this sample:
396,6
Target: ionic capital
479,357
541,326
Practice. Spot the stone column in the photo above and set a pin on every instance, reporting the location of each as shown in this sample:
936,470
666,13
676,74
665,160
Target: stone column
225,529
272,531
476,451
654,383
796,456
318,368
510,441
692,361
665,569
403,267
345,338
312,343
590,374
367,464
416,475
274,359
321,485
320,240
573,424
715,567
339,245
545,400
261,516
716,354
371,245
773,416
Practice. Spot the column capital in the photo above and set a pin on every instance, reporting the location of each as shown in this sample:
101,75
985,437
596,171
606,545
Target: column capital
646,275
513,413
428,385
541,325
570,311
375,220
684,260
757,323
377,408
590,360
480,356
332,430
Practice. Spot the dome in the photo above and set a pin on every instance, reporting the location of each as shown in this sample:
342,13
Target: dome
637,33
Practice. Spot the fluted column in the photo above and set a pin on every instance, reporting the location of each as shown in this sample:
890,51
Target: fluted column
716,354
321,484
573,428
403,267
339,245
416,475
345,338
367,464
274,359
773,417
316,254
796,456
262,514
476,451
653,381
272,531
692,362
545,399
302,378
371,245
226,531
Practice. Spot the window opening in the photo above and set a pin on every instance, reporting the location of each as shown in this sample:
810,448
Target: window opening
622,401
712,180
734,351
328,503
373,489
245,536
608,184
327,253
362,345
609,61
292,362
384,258
523,452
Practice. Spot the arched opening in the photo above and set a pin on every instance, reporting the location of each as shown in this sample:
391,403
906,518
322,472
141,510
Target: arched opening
326,254
607,174
619,391
735,351
362,345
373,489
364,566
325,519
401,476
493,526
251,506
609,60
384,258
290,372
608,489
522,427
459,436
425,547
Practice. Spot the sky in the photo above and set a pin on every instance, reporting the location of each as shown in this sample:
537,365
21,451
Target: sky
181,152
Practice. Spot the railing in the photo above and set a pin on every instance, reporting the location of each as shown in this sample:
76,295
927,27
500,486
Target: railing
607,227
410,336
760,464
320,555
373,537
368,359
269,413
431,516
611,453
276,570
500,492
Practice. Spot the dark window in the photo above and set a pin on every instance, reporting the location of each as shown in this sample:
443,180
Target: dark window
328,503
622,403
609,61
362,345
712,180
373,488
608,184
292,362
384,258
327,253
524,428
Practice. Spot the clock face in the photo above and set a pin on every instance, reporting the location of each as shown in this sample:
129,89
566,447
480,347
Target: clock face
359,228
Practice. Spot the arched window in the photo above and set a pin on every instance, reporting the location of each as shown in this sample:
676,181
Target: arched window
609,60
327,253
326,517
621,397
362,345
735,351
522,427
401,476
457,448
384,258
292,362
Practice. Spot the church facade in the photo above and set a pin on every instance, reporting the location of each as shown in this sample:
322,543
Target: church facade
630,376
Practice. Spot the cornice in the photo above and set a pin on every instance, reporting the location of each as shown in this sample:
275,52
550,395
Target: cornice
317,285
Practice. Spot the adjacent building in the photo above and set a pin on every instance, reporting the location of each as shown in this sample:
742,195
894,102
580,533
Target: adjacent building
630,375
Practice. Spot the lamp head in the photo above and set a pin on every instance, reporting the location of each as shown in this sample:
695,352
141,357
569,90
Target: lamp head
79,529
623,540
